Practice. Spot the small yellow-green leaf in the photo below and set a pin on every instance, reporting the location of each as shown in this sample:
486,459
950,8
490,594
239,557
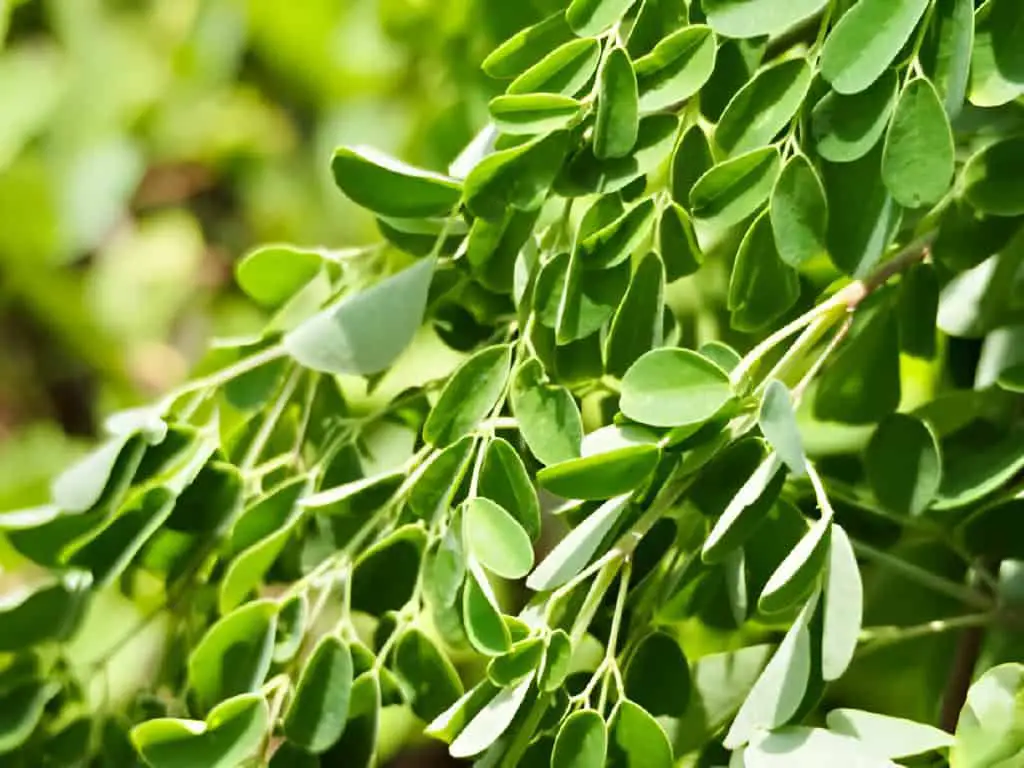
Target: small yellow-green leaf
1007,24
989,86
745,511
518,177
636,739
565,70
522,659
364,332
468,396
917,161
846,128
384,185
272,274
885,736
231,735
691,159
491,721
658,676
731,191
527,47
946,53
777,419
798,575
359,741
763,107
505,481
556,663
617,122
547,415
589,17
434,488
571,554
799,212
865,41
602,475
673,388
754,18
428,672
676,68
317,713
481,616
677,243
384,576
533,112
612,244
495,539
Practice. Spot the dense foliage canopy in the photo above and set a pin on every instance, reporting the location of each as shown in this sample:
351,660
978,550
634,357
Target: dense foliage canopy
679,420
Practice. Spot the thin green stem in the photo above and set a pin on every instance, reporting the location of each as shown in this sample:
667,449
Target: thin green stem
875,638
613,635
233,371
923,577
259,442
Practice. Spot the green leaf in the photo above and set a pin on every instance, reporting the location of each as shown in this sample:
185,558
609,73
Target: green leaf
799,212
844,606
572,554
989,86
763,107
612,245
505,480
762,286
862,215
42,609
582,741
81,486
637,740
655,20
522,659
359,741
866,40
976,302
384,576
798,574
266,514
802,747
731,191
886,736
495,539
845,128
862,383
468,396
918,311
590,17
691,159
980,471
946,54
1007,25
586,174
658,676
232,733
745,511
428,672
547,415
527,47
493,248
990,181
354,494
247,570
677,243
418,237
234,655
988,732
481,616
722,477
453,720
754,18
316,714
1002,359
446,566
365,332
917,161
637,325
777,419
519,177
491,721
565,70
778,692
556,663
21,709
617,121
903,465
674,388
602,475
272,274
387,186
533,112
431,493
678,66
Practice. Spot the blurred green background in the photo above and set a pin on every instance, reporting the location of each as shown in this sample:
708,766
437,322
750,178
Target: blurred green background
146,145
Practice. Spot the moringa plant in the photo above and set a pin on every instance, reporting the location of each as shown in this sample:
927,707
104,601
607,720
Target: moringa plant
677,423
